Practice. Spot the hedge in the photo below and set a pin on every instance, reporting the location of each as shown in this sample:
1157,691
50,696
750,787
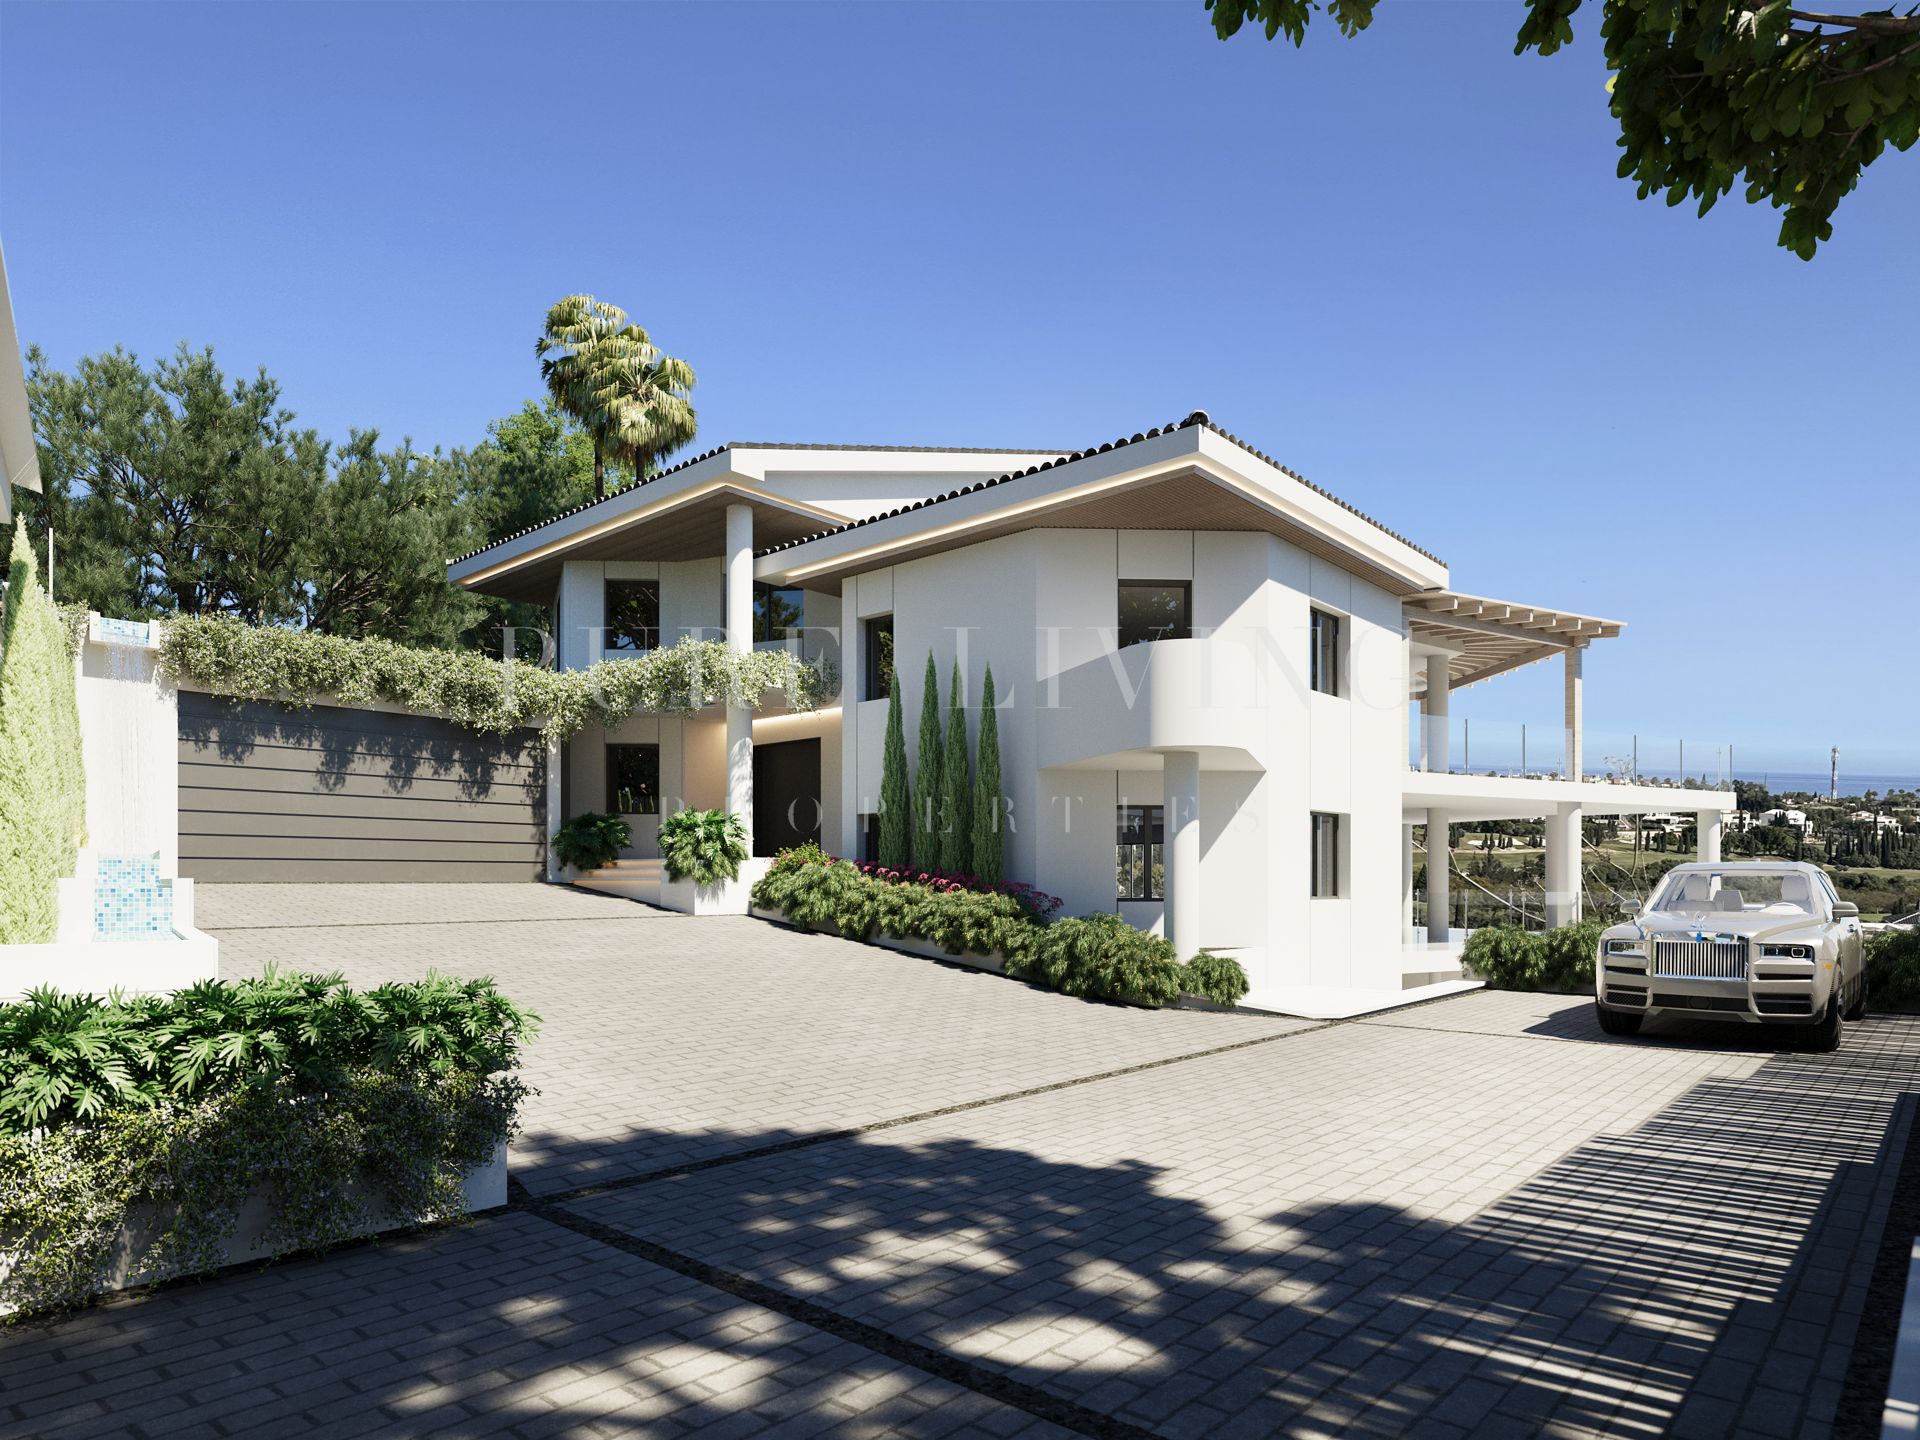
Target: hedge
1509,958
148,1121
42,780
297,667
1097,956
1893,970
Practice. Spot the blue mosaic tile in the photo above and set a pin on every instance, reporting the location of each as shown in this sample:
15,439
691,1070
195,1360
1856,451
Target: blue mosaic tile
130,901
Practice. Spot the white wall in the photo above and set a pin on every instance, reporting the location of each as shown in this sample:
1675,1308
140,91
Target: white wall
130,739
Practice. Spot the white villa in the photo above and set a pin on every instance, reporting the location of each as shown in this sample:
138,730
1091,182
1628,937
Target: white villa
1194,648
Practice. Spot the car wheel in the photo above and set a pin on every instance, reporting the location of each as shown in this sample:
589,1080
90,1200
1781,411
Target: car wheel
1858,1010
1618,1022
1823,1036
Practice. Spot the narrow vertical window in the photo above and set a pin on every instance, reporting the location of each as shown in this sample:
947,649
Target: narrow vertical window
633,779
1323,660
633,615
1139,860
876,643
1326,855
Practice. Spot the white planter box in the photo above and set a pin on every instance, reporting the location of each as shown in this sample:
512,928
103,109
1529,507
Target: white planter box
485,1188
724,897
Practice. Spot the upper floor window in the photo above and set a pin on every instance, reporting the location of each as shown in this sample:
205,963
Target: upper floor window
1154,610
633,614
1326,855
777,611
1139,858
876,645
1323,659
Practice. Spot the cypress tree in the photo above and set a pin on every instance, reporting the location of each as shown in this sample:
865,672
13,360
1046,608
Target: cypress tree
989,854
927,814
42,783
896,796
956,841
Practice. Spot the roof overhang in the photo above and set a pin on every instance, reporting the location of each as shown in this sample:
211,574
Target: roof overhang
1514,797
1490,637
19,461
1190,478
684,518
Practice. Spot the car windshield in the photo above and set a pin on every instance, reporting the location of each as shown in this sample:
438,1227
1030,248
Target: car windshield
1710,892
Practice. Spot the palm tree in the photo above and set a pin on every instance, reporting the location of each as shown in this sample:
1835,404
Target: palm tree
584,351
654,410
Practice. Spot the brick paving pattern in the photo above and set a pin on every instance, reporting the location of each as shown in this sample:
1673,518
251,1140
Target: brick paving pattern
1476,1217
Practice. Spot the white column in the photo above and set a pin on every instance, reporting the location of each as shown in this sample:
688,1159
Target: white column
1439,878
1706,824
1576,725
1182,853
739,621
556,774
853,670
1433,715
1563,866
1406,884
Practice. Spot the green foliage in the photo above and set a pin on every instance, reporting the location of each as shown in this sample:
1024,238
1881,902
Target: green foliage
590,840
1893,970
167,1181
42,784
604,371
1559,961
703,846
1219,978
813,889
293,667
956,777
174,492
1708,93
929,781
896,795
70,1059
989,815
1103,958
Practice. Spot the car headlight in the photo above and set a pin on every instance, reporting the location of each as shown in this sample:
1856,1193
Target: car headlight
1623,947
1786,952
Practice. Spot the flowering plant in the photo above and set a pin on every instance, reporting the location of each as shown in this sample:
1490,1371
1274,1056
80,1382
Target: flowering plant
1038,902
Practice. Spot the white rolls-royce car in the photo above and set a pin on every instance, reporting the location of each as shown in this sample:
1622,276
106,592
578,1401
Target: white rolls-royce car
1764,942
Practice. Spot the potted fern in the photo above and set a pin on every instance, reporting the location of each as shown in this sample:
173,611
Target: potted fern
702,852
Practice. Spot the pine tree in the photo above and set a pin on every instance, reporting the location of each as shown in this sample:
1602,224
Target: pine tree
956,841
896,796
989,842
927,784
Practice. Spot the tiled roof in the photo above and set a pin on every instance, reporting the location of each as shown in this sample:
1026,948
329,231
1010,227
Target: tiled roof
1198,417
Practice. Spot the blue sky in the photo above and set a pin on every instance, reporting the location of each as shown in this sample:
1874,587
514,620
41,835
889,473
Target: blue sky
1401,264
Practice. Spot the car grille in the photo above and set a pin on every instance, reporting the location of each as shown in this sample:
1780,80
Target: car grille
1713,957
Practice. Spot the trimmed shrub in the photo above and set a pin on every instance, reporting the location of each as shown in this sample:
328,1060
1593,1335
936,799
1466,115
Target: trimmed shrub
1559,961
42,783
1219,978
702,846
812,888
896,795
157,1116
1102,957
590,840
1038,902
929,783
1567,957
989,837
1893,970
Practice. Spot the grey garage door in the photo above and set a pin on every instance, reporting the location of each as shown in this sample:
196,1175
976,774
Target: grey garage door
330,793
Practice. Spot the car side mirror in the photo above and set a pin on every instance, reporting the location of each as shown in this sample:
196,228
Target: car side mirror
1845,910
1629,908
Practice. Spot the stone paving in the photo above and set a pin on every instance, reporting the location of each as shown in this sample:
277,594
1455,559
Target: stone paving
785,1185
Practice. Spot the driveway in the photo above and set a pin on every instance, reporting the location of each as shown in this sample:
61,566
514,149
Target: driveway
784,1184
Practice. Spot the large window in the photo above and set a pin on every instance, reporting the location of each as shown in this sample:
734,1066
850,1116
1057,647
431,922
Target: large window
1326,855
633,614
633,779
1154,610
876,646
1323,659
776,611
1139,861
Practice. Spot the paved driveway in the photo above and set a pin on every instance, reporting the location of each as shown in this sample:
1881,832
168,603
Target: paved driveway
789,1185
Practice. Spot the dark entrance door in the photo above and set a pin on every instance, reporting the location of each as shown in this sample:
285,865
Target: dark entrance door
786,795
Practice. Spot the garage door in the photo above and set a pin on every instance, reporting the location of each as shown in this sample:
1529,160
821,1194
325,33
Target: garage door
331,793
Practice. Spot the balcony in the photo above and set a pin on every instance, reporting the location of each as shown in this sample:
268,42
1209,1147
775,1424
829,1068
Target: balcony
1114,711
